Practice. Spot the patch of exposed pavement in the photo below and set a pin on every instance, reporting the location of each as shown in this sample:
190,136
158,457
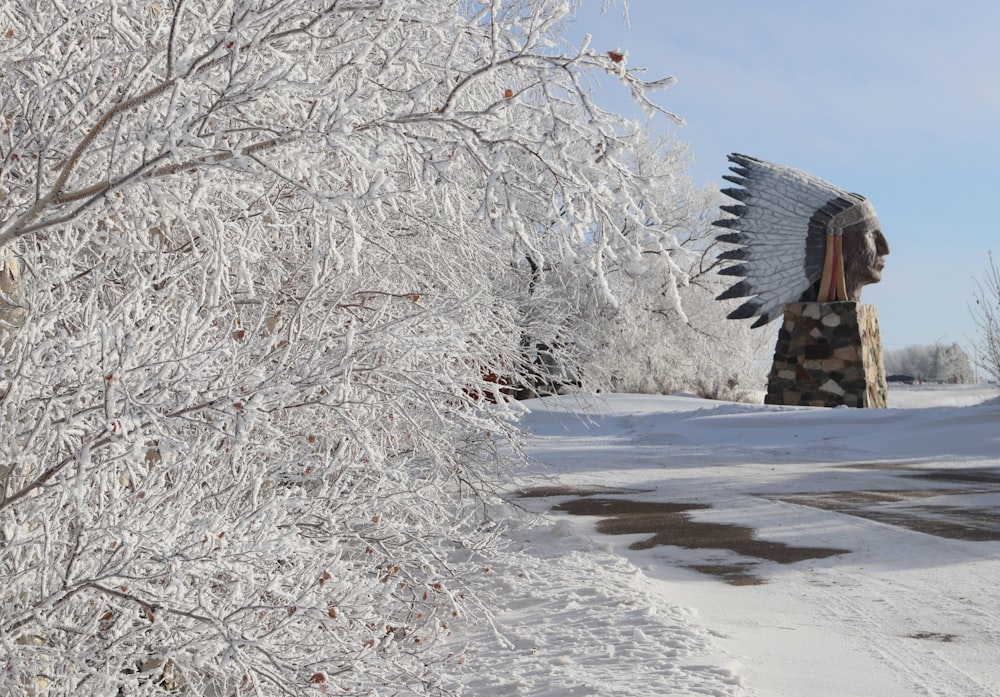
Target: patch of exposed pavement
911,507
671,524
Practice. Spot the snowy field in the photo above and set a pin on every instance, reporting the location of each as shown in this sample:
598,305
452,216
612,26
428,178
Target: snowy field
709,548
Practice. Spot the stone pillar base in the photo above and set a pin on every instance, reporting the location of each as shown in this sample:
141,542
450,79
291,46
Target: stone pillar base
828,355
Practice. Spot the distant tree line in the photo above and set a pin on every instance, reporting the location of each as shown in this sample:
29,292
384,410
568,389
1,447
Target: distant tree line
931,363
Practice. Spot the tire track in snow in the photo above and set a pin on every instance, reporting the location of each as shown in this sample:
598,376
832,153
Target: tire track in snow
919,633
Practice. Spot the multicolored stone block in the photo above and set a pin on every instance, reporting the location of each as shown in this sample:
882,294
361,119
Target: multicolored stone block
828,355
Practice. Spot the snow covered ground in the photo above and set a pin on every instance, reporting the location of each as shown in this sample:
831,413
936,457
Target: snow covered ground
711,548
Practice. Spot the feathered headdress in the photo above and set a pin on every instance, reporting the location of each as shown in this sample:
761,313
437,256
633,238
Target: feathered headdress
789,228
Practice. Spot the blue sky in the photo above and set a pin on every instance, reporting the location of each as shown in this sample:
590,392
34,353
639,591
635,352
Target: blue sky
898,100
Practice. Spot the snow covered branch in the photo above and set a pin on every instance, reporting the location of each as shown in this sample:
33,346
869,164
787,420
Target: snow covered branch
258,303
986,314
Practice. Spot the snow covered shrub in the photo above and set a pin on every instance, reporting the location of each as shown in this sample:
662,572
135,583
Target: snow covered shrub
260,264
235,462
653,324
650,345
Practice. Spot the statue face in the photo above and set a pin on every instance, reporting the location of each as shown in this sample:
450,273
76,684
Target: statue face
865,248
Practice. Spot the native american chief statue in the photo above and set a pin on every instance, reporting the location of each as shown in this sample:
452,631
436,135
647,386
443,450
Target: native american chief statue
799,239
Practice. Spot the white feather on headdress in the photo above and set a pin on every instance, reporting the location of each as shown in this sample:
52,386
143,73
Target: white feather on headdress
781,228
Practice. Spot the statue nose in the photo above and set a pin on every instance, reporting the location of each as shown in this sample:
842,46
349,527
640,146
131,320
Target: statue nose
881,245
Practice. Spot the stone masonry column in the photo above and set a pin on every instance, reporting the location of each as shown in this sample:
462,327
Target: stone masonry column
828,355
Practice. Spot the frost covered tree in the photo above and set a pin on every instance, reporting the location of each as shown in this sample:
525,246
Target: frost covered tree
954,365
931,363
257,275
986,314
650,322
